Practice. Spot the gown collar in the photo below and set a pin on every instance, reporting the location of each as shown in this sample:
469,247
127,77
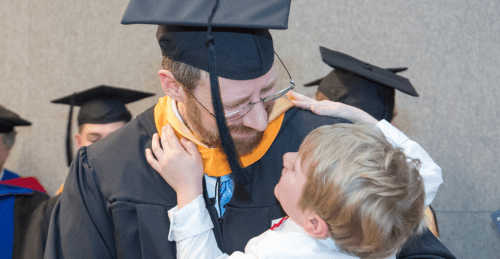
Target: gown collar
214,159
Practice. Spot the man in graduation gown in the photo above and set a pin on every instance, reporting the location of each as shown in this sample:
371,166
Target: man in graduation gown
102,111
219,77
23,234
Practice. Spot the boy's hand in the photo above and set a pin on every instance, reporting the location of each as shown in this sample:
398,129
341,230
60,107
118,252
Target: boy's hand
179,163
329,108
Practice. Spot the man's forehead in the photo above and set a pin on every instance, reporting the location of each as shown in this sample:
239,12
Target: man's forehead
90,128
234,90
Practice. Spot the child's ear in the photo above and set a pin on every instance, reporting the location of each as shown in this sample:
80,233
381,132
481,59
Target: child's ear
315,226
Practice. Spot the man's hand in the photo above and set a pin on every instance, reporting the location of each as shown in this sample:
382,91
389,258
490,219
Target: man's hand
329,108
179,163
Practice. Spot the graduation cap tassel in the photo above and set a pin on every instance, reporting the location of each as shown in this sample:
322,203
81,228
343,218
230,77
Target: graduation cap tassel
69,146
227,142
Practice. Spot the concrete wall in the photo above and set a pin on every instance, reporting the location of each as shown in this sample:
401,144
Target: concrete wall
49,49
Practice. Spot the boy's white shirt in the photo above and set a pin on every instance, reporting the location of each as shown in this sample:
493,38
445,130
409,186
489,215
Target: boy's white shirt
191,227
430,171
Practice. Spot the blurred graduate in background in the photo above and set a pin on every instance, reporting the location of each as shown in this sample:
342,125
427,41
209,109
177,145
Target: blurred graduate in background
20,199
102,111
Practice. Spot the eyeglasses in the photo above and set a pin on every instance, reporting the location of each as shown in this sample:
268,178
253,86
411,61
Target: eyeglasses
266,100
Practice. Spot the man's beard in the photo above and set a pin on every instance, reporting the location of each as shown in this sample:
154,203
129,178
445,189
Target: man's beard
212,139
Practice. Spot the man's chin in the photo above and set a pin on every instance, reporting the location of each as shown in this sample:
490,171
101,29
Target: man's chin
246,145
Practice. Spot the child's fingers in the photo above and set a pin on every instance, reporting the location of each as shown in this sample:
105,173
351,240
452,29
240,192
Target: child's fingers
303,104
172,139
315,109
151,160
164,136
155,145
297,97
290,95
301,100
325,110
191,148
329,108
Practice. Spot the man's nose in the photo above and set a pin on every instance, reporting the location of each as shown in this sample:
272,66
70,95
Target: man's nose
256,118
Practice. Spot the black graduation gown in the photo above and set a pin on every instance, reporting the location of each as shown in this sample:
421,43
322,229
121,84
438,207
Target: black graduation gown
115,205
31,223
31,209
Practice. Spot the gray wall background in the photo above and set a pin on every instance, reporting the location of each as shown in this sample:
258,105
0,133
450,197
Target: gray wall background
49,49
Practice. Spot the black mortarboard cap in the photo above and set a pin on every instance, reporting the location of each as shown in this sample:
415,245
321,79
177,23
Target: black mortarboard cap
9,120
225,38
361,84
99,105
239,30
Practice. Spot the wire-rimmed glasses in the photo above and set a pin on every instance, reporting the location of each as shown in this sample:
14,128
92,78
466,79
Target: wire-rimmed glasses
271,98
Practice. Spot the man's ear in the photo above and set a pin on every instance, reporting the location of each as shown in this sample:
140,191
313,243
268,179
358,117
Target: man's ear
315,226
78,140
170,86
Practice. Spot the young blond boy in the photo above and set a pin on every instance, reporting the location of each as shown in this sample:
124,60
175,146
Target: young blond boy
352,191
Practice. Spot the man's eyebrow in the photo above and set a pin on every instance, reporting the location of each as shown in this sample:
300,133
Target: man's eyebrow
269,86
238,102
247,99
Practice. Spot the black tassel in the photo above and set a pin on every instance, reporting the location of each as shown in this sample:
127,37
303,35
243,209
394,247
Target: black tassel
240,174
69,142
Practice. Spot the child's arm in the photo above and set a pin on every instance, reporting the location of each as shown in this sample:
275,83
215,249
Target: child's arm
331,109
191,229
430,171
180,164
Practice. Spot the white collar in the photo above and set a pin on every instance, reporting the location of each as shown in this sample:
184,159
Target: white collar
176,112
290,226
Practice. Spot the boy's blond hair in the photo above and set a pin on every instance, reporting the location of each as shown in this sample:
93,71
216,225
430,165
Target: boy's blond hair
368,192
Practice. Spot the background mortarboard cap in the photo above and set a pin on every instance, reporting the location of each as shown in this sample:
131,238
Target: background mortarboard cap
9,120
223,37
397,69
99,105
345,84
103,104
367,71
376,100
